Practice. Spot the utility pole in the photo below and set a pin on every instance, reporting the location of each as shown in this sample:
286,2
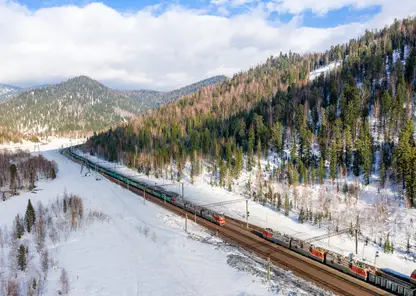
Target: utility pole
195,217
247,213
144,196
186,222
375,257
183,195
328,235
356,241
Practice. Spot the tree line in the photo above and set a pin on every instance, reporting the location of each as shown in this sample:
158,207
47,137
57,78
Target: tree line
20,170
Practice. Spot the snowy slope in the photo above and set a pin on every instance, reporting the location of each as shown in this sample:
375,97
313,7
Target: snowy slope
325,70
6,91
118,258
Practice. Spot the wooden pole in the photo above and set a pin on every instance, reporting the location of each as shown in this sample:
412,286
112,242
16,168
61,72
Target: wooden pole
247,213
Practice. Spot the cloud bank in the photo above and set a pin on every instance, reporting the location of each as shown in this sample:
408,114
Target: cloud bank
164,49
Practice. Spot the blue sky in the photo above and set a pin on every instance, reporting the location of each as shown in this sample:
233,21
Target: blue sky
309,18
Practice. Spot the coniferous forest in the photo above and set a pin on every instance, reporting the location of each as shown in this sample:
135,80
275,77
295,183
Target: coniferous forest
356,121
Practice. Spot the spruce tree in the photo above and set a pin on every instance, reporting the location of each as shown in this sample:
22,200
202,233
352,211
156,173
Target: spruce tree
18,228
322,171
287,205
52,173
21,258
32,178
13,176
279,201
30,216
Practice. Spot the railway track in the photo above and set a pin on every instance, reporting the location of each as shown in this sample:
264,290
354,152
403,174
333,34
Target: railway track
235,232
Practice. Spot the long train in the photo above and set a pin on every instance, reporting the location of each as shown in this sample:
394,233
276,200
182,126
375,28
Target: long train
167,196
384,278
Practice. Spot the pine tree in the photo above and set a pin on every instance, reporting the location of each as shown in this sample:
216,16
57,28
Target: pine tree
301,215
13,176
333,164
382,174
21,258
287,205
32,178
65,207
322,171
365,148
52,173
406,160
18,227
279,201
4,196
30,216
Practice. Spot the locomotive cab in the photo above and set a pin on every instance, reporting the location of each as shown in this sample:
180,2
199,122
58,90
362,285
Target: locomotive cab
413,277
220,219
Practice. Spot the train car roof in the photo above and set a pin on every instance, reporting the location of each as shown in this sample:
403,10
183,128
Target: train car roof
395,273
395,277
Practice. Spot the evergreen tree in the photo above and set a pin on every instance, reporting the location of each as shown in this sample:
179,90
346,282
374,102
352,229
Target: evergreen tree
301,215
65,207
406,160
365,148
3,196
30,216
333,164
322,171
13,176
32,178
277,136
21,258
52,173
18,227
279,201
287,205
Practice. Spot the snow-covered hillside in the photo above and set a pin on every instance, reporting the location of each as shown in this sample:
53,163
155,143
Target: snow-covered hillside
142,249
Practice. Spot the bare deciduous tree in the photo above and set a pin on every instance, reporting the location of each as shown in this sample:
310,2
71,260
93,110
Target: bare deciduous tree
64,282
13,288
44,260
40,233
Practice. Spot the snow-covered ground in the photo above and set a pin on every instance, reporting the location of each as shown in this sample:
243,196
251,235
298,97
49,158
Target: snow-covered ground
379,213
118,257
328,68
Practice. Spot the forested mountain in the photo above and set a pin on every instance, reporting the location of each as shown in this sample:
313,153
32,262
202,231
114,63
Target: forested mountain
152,99
6,91
79,106
358,119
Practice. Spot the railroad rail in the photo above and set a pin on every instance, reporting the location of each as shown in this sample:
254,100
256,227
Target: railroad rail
235,232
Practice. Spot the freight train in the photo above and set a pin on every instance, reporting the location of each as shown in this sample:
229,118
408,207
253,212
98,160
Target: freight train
386,279
160,192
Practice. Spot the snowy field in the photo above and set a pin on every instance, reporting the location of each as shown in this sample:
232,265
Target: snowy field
143,249
379,213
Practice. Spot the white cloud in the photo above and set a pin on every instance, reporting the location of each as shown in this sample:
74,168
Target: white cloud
323,6
163,51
